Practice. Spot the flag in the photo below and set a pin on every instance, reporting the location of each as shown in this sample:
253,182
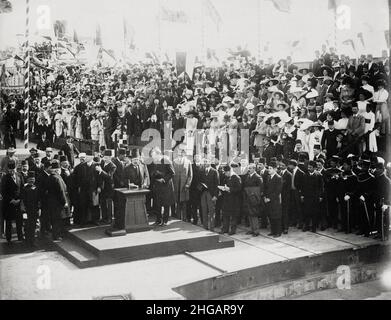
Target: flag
171,15
295,43
98,36
332,5
349,42
282,5
361,37
212,13
387,36
75,37
59,28
180,61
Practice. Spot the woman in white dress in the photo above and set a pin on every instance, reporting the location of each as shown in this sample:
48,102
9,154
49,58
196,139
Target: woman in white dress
78,127
94,128
315,138
58,124
370,143
382,113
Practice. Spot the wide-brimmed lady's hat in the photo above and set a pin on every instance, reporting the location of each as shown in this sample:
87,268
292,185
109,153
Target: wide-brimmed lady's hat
276,119
272,82
367,94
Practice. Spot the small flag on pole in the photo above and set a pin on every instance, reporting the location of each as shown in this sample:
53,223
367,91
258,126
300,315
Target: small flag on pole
361,37
349,42
387,36
282,5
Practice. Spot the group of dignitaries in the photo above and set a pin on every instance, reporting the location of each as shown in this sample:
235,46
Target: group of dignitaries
350,194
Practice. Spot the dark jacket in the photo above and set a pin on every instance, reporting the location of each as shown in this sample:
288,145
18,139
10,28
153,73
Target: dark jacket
70,151
162,191
231,199
119,174
211,180
273,188
252,194
11,190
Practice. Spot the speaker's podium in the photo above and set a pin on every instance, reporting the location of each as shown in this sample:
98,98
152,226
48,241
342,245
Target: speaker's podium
130,214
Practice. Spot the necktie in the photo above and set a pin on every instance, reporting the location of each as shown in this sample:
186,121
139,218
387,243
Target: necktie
293,180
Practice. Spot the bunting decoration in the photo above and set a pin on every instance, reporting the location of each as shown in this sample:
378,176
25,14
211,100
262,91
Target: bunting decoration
211,11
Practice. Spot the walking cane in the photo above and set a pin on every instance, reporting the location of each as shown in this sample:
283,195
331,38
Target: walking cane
366,212
348,216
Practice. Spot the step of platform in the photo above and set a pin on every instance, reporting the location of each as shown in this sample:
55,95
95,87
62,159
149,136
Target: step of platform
76,254
177,237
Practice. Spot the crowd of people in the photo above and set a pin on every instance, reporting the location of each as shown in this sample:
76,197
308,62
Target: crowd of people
317,138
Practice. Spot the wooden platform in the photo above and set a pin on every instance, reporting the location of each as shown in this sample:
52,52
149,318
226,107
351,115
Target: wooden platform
92,247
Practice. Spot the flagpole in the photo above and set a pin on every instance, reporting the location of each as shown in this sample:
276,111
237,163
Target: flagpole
335,27
27,79
259,28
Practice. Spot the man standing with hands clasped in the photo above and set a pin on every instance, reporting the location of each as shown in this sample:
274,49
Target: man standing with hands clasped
311,196
210,179
272,198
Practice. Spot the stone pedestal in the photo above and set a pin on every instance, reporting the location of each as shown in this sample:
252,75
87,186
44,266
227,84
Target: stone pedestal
131,214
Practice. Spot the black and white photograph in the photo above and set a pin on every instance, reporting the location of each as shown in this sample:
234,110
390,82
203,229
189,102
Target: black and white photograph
191,153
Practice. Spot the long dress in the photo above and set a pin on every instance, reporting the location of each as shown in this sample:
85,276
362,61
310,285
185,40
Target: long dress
78,128
58,124
382,113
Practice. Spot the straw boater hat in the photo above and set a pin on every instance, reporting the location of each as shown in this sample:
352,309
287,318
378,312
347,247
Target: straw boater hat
367,94
250,106
312,94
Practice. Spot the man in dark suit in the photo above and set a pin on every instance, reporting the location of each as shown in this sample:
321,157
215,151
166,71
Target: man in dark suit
253,188
269,150
232,194
57,199
119,174
272,199
194,202
311,196
70,151
331,182
209,178
296,208
285,194
132,173
329,140
30,158
11,187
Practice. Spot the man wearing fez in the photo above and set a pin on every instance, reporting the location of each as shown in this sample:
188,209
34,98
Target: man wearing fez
106,197
119,174
209,182
70,151
272,199
365,194
49,155
11,187
346,187
382,199
311,196
31,157
182,181
57,200
132,171
331,178
24,169
296,208
30,203
232,192
10,156
253,202
161,172
329,140
285,193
